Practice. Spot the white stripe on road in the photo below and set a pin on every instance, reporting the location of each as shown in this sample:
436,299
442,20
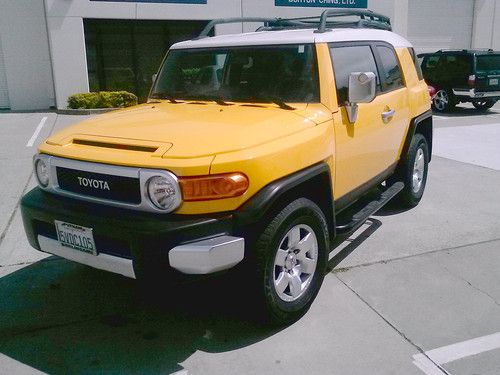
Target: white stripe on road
450,353
36,133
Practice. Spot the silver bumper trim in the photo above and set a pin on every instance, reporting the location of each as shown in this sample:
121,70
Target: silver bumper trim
103,262
476,95
207,256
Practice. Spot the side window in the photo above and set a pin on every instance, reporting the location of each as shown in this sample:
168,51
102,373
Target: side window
393,77
347,60
417,64
430,62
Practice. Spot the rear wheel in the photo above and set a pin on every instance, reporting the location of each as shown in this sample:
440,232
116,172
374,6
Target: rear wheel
291,257
413,172
443,101
484,105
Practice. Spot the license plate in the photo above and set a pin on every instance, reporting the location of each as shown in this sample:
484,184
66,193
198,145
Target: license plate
494,82
75,236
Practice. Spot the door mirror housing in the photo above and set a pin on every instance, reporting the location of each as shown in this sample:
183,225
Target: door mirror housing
362,89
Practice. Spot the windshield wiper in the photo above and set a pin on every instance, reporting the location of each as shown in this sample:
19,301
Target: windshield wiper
278,101
164,95
217,99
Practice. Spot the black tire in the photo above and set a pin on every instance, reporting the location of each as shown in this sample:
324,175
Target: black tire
443,101
484,105
410,196
273,308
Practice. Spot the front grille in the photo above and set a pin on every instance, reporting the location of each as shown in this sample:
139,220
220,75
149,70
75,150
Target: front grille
97,185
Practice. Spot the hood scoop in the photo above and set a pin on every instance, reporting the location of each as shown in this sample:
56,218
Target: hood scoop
111,144
116,146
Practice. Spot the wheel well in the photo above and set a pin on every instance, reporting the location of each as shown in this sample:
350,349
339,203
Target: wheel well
317,189
424,127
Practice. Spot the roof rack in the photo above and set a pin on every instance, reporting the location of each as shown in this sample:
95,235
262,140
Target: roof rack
367,19
322,24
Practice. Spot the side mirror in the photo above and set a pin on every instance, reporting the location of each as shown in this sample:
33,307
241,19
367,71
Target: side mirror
153,78
362,89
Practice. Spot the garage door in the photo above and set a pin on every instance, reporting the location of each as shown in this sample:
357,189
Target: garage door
4,97
443,24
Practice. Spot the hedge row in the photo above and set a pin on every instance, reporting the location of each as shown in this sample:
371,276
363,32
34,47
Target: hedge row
103,99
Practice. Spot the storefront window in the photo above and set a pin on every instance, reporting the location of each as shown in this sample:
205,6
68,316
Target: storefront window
124,54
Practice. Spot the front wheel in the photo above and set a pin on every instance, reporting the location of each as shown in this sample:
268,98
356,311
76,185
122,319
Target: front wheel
443,101
291,257
484,104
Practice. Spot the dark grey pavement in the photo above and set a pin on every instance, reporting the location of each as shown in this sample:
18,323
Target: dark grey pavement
418,293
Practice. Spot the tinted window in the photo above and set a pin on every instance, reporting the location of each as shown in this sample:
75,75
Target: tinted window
347,60
253,74
393,77
430,62
488,64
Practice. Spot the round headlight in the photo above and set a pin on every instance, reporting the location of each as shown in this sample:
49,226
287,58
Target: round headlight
164,192
42,172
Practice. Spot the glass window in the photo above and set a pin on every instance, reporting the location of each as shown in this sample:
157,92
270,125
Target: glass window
393,77
347,60
247,74
489,64
431,62
124,54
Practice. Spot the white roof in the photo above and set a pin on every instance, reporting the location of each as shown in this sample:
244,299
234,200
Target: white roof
302,36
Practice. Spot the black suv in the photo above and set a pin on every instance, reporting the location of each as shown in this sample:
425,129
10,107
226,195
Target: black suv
463,76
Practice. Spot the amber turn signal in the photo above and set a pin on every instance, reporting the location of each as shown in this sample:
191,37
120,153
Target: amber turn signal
213,187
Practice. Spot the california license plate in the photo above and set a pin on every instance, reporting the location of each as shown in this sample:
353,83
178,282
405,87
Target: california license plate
75,236
494,82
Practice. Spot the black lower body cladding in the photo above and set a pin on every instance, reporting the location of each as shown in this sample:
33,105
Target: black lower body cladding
119,232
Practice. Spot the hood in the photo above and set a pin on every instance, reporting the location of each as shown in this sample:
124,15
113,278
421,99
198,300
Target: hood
190,130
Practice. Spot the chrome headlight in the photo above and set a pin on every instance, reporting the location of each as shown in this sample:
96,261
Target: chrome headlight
42,172
164,192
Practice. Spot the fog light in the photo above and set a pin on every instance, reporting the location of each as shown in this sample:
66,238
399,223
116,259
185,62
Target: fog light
164,192
42,172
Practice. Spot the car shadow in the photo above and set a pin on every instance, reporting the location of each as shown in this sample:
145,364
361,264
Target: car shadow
63,318
461,111
351,243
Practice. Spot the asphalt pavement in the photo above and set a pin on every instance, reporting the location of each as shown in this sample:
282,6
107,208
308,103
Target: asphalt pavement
414,292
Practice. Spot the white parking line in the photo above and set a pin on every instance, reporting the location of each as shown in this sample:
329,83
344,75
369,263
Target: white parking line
454,352
36,133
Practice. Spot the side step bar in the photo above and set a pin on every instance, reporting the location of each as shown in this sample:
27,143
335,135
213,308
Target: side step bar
369,209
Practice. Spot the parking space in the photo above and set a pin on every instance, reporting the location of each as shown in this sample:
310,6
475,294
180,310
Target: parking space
415,292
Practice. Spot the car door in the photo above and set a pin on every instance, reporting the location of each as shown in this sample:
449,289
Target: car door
368,148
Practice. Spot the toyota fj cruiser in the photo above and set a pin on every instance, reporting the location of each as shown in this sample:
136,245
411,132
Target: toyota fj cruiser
257,151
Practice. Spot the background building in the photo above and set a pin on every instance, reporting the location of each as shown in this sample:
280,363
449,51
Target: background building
50,49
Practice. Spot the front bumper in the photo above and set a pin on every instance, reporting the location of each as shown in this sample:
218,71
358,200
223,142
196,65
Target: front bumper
473,94
126,240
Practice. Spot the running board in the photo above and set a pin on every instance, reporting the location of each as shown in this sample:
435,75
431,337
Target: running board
359,218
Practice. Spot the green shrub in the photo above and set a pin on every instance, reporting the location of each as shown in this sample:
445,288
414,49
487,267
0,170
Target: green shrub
103,99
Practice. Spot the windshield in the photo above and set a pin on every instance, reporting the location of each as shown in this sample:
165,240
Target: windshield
488,64
246,74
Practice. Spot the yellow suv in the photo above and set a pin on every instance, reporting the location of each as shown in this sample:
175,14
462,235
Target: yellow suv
257,151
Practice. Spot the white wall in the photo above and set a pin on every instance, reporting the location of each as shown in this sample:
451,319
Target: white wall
435,25
26,54
486,24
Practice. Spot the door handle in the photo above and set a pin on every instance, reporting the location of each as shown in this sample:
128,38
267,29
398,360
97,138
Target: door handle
388,115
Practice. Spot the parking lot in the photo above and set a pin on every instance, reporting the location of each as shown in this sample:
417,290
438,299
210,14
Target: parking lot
415,292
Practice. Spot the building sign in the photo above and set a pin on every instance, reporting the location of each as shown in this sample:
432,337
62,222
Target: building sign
158,1
323,3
